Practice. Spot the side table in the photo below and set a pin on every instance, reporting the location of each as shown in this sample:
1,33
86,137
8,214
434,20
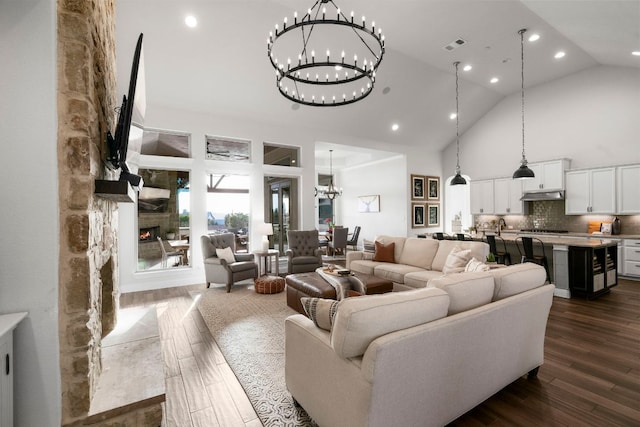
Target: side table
267,265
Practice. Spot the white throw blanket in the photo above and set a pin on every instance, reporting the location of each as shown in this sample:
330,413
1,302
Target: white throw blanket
342,284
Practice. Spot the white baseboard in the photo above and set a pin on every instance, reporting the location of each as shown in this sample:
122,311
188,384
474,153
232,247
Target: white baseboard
562,293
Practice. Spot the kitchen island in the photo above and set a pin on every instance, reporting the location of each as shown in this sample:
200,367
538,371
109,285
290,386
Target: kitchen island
578,266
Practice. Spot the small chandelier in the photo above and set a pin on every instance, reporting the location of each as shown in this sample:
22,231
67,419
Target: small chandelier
458,179
331,192
325,58
523,172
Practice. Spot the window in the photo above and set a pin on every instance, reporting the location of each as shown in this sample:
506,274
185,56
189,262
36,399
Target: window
281,155
163,219
228,149
165,143
228,207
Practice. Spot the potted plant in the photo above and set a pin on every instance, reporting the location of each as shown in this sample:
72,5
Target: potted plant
491,258
171,234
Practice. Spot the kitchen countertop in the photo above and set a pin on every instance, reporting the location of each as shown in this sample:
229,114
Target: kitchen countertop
564,239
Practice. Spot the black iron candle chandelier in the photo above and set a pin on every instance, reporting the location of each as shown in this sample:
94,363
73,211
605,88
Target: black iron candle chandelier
325,58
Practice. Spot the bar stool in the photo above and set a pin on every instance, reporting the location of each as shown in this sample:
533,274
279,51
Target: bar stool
438,235
502,257
462,236
525,247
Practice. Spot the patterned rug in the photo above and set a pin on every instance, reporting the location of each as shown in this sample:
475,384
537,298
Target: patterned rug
249,329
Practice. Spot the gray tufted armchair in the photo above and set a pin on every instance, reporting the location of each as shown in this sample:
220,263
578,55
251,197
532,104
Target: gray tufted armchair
304,252
217,270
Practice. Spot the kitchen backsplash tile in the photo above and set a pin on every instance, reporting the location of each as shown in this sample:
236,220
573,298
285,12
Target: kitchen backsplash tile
550,215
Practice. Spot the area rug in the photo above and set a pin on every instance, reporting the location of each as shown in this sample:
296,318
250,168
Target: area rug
249,329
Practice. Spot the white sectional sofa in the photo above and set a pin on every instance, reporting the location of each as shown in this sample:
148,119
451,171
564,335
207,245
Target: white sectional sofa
416,260
421,357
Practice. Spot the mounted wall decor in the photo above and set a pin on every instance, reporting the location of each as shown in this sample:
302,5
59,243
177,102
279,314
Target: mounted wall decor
433,188
417,187
417,215
369,203
433,214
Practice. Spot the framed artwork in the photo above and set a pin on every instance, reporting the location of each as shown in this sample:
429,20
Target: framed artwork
369,203
417,218
433,188
417,187
433,215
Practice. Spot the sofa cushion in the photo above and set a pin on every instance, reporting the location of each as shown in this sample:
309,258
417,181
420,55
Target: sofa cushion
394,272
226,254
322,311
384,253
418,252
475,265
363,266
517,278
456,261
361,320
466,290
479,250
420,279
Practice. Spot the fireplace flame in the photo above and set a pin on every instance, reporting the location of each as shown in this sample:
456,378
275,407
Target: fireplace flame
146,235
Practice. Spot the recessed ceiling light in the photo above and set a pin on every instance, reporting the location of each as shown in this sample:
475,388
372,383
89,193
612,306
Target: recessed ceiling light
191,21
395,127
452,116
494,80
467,68
559,55
635,53
534,37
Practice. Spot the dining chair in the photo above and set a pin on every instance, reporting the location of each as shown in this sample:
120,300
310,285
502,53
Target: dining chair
502,256
528,254
353,241
339,241
166,254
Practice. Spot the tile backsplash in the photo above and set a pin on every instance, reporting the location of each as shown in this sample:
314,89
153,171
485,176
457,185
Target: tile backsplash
550,215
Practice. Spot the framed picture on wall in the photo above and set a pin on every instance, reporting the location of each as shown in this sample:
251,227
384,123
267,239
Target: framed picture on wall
433,215
433,188
417,218
369,203
417,187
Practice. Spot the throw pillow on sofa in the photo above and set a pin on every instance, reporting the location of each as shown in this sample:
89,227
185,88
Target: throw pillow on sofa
456,261
384,253
475,265
321,311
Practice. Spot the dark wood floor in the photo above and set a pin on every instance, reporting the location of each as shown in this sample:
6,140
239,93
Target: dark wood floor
591,374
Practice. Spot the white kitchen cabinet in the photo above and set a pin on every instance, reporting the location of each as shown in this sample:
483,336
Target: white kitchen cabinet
482,198
628,190
8,322
507,193
632,257
549,176
591,191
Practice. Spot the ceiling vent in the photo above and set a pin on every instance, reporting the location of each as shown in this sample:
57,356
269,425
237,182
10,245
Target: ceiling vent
454,45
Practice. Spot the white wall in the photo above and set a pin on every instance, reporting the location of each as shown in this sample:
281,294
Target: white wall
29,214
590,117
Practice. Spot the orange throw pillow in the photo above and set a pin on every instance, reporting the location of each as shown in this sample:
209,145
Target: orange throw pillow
384,253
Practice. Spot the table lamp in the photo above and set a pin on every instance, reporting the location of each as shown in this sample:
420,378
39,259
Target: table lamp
266,230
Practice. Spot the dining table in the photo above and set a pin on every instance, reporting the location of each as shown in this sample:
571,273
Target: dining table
182,246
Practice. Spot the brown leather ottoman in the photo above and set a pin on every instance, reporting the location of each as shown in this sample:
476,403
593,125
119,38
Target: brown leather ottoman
269,284
313,285
307,285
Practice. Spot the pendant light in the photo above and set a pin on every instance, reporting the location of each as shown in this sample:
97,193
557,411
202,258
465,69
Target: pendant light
458,179
523,172
332,192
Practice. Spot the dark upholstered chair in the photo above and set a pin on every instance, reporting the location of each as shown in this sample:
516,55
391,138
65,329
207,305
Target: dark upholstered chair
338,241
217,270
353,241
304,254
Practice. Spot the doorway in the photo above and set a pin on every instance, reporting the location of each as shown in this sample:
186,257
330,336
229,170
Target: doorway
282,209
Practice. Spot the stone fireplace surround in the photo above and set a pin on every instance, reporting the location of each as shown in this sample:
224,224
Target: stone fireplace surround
88,255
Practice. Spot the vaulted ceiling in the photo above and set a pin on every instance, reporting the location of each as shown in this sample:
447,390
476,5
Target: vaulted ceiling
221,66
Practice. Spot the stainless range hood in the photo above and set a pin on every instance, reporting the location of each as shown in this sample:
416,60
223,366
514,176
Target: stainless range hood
544,195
